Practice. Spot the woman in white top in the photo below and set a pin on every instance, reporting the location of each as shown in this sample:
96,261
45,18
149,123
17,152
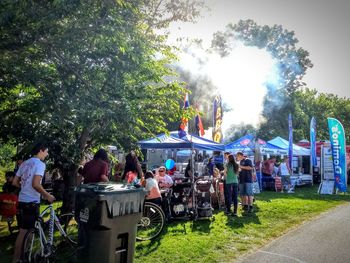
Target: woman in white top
164,180
285,172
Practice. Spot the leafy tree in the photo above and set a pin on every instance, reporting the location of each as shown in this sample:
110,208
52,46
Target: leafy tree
160,13
309,103
84,73
6,161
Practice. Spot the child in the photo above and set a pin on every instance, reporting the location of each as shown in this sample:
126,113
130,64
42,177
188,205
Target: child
8,187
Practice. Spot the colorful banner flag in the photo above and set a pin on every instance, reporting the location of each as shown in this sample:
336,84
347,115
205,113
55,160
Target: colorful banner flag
290,149
199,125
217,120
313,141
337,138
183,127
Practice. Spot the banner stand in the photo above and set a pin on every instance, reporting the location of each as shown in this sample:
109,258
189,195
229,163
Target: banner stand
326,187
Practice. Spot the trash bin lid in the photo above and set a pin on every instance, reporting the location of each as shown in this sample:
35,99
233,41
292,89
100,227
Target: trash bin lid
120,199
107,188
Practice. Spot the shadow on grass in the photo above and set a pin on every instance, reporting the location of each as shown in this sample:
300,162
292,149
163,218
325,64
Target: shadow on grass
220,220
147,247
174,228
245,218
7,245
202,225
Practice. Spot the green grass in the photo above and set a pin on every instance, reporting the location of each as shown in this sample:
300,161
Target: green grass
223,238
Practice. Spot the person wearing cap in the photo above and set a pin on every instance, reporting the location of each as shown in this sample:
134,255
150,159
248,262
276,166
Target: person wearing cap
245,181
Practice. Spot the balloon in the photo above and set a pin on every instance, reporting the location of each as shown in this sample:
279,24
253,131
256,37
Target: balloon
169,164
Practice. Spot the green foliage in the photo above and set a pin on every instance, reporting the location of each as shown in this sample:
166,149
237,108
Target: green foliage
7,152
85,73
160,13
309,103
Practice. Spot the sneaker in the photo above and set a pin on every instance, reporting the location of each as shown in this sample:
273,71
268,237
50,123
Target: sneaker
227,212
245,208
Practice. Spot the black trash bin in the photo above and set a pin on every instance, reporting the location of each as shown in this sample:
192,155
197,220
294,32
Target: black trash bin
108,215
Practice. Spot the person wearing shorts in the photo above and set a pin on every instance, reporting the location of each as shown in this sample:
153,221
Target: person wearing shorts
29,177
285,173
245,181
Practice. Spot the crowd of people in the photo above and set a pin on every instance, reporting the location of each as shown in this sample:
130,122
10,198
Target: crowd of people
237,174
271,169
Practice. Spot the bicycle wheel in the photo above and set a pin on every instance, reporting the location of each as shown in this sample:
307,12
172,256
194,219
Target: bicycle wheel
32,248
70,226
151,223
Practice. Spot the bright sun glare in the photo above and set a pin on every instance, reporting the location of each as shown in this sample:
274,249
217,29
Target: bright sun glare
241,79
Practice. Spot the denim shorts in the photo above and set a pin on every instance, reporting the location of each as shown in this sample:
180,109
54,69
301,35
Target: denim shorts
246,189
27,214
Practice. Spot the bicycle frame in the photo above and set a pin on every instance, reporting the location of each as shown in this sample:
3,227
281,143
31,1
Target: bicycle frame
47,243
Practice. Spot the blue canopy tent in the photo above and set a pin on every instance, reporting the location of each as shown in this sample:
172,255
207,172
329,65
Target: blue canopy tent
172,141
248,144
252,146
190,141
297,150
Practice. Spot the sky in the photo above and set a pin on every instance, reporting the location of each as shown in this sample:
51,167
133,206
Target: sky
322,28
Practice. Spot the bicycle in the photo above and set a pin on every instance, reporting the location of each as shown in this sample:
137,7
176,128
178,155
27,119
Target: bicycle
39,247
151,223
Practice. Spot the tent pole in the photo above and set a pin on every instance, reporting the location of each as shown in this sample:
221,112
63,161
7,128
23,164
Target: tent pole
192,181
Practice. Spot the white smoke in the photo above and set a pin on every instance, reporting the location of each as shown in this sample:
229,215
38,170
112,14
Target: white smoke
240,77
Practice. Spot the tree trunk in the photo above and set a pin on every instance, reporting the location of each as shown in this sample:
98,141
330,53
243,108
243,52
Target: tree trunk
69,173
69,179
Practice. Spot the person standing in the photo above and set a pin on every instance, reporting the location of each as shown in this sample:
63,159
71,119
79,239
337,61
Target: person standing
285,172
188,170
231,170
29,177
246,181
96,170
211,166
226,154
132,165
267,171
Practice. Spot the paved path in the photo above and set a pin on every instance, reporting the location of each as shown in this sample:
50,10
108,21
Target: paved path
323,240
